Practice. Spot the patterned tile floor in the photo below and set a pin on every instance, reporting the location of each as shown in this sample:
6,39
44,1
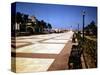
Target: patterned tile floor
29,48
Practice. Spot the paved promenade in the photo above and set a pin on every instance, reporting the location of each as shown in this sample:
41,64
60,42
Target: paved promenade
42,52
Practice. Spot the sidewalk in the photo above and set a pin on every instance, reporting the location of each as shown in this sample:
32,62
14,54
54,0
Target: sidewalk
61,61
42,52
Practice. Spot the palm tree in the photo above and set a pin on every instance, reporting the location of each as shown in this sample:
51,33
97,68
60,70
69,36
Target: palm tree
44,25
19,21
18,17
36,26
40,26
49,26
25,21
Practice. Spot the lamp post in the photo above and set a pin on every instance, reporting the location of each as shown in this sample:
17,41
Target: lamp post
78,27
83,23
83,38
71,28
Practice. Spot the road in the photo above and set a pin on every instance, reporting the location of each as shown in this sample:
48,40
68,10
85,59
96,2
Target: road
42,52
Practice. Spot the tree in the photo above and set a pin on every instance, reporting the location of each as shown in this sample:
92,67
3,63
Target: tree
22,20
37,26
44,25
25,18
19,17
49,26
19,21
25,21
91,28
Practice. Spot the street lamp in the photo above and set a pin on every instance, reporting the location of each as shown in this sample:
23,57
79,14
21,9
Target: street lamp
71,28
78,27
83,23
83,37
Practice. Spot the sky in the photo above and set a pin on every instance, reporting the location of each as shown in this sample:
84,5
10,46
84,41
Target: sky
59,16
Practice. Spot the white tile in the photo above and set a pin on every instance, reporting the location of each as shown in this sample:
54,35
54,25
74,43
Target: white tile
55,41
32,64
29,40
42,48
